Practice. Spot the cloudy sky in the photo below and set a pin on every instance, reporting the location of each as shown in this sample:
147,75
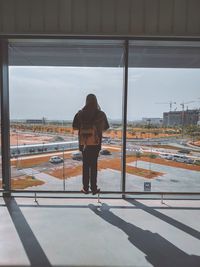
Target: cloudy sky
59,92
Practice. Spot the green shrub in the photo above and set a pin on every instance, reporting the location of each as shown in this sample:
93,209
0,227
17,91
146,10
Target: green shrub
153,156
197,162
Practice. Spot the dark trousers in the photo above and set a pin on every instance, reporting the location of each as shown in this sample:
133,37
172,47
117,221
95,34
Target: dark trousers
90,156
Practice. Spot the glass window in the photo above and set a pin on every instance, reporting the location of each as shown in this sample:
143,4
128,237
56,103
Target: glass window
163,131
49,81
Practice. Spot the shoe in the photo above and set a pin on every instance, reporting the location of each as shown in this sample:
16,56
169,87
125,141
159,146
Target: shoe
84,191
96,191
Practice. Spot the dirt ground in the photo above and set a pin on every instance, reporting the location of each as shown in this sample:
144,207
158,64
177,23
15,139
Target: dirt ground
22,182
17,136
197,143
137,134
104,164
26,138
116,165
112,163
30,162
22,138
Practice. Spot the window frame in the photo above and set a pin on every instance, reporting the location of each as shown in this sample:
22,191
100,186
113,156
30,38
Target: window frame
5,120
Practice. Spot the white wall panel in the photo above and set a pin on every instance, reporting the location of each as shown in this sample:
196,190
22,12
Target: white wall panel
94,16
23,22
1,20
193,25
101,17
180,18
123,11
79,16
166,13
51,23
137,16
37,16
151,16
65,16
108,16
8,16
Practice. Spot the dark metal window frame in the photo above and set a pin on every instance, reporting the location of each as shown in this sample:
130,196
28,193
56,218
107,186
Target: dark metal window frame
5,123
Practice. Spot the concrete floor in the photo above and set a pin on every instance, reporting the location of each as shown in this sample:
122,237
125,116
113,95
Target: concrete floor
115,232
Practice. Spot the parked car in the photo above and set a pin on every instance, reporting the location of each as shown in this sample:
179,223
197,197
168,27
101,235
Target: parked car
106,140
180,158
105,152
190,161
184,151
163,156
55,159
166,156
77,155
170,157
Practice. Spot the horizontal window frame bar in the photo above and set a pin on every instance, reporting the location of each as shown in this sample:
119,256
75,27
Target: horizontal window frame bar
98,37
103,192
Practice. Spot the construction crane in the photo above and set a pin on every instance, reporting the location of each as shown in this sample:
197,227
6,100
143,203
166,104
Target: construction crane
170,103
183,104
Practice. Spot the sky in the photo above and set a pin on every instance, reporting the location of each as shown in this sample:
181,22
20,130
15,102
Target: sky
57,93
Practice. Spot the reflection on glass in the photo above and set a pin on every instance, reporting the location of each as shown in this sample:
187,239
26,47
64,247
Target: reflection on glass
43,102
163,137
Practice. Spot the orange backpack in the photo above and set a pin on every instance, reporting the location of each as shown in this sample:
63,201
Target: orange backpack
88,135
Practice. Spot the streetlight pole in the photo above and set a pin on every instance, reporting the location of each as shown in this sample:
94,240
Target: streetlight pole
149,121
63,170
182,118
17,150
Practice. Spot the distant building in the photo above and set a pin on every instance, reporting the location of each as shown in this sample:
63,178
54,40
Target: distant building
35,121
152,121
179,118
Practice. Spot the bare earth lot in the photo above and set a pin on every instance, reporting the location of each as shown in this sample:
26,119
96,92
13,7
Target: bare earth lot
74,168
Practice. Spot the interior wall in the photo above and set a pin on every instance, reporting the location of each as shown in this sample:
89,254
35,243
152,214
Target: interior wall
101,17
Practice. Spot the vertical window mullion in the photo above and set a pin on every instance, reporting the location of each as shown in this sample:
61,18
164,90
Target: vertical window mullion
125,94
5,125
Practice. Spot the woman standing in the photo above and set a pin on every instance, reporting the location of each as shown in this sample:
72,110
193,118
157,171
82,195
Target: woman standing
90,122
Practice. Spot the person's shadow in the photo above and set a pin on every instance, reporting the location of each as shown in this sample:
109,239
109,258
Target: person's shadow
159,251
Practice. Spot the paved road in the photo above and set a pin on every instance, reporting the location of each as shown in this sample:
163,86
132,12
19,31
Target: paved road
51,182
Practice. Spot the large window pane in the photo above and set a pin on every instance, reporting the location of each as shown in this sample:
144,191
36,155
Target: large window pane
163,117
49,81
